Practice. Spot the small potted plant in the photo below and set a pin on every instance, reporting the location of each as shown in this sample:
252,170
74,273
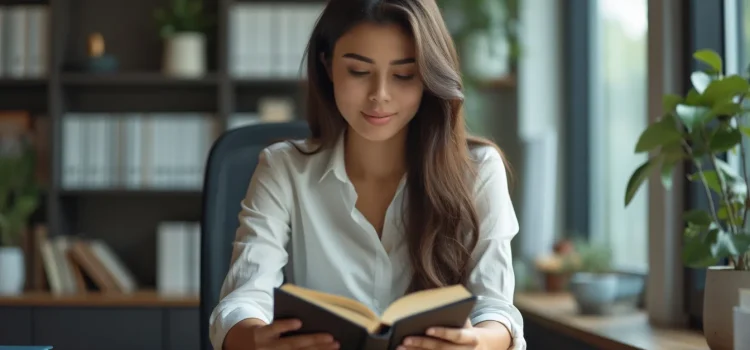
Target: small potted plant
593,283
19,198
698,129
183,26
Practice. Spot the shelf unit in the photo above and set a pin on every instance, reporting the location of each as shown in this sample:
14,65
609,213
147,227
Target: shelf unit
127,218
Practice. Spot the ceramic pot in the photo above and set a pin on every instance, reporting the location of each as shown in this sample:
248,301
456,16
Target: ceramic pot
719,300
12,271
185,55
594,293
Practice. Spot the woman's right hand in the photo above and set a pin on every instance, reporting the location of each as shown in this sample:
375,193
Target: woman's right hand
252,335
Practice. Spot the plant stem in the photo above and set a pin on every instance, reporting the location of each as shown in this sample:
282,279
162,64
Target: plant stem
698,165
725,196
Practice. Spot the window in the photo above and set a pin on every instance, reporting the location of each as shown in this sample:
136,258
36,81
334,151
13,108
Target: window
618,116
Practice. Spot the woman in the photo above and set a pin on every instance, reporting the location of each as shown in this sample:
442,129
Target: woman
389,195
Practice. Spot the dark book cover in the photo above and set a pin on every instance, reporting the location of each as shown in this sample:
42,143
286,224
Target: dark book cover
451,315
316,319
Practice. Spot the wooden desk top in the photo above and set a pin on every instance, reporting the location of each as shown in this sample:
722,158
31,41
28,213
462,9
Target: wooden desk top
622,332
144,298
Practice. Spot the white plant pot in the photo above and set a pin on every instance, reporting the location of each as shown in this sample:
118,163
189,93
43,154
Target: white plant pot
719,300
185,55
12,271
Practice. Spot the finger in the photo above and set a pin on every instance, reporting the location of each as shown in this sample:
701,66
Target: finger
454,335
429,343
275,329
404,347
333,346
304,341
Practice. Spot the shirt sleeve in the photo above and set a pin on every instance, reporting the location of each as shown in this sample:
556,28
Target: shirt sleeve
492,279
258,253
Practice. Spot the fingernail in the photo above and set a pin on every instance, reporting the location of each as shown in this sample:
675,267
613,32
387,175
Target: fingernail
431,331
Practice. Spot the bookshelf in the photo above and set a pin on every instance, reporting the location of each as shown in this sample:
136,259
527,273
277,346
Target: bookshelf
138,85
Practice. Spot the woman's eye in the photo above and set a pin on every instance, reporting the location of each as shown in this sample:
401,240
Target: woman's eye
404,77
357,73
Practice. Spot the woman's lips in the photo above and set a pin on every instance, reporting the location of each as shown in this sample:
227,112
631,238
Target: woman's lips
378,118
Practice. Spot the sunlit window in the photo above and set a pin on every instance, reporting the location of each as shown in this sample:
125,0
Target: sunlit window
619,115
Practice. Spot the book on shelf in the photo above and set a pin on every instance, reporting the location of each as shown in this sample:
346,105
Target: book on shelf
24,41
67,265
355,326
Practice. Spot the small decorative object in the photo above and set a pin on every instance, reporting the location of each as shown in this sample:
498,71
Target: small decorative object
593,284
742,321
554,277
98,60
182,26
699,127
18,200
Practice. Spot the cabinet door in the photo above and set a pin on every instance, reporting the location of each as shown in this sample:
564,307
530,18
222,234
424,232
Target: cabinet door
76,328
15,325
184,329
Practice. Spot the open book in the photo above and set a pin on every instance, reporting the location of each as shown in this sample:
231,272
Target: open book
355,326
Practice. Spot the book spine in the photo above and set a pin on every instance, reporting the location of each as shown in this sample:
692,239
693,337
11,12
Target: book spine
376,342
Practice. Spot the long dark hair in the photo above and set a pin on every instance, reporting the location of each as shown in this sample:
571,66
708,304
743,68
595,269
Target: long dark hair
441,222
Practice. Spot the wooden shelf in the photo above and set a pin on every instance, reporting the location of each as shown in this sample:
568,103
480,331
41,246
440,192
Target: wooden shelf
145,298
123,79
629,331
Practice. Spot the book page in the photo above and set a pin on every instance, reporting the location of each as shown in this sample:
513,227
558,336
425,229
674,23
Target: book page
423,301
342,306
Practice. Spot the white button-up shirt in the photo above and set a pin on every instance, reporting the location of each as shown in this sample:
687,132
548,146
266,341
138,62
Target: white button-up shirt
299,220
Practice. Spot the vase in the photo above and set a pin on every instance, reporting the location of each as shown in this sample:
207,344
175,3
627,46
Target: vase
12,271
720,297
185,55
594,293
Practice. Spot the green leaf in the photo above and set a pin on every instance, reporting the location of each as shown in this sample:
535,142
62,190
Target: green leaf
727,108
670,101
725,139
658,134
692,116
699,218
725,89
696,252
693,98
638,177
666,173
745,130
710,57
701,81
726,244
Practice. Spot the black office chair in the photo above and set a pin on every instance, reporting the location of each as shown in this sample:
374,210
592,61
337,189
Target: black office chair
229,168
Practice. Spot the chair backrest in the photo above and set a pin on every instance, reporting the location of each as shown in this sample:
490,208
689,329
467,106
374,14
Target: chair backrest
230,166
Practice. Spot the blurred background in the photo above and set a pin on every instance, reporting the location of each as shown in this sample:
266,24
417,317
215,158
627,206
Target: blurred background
120,102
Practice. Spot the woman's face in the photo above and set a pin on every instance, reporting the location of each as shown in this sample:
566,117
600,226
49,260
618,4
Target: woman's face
376,80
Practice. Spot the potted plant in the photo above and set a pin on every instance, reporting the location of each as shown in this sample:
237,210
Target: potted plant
593,283
486,34
552,267
699,128
18,200
183,26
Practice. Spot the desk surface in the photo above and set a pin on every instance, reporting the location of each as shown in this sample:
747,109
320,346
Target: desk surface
627,332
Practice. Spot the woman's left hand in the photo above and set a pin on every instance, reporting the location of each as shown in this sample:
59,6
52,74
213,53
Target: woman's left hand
440,338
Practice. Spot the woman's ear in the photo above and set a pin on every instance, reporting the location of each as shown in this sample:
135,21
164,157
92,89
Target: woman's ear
326,64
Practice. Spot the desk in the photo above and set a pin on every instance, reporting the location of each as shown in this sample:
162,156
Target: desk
557,313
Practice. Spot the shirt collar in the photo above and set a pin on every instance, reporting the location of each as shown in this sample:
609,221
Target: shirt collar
336,164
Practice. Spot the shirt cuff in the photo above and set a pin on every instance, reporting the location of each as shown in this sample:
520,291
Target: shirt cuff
223,323
516,332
